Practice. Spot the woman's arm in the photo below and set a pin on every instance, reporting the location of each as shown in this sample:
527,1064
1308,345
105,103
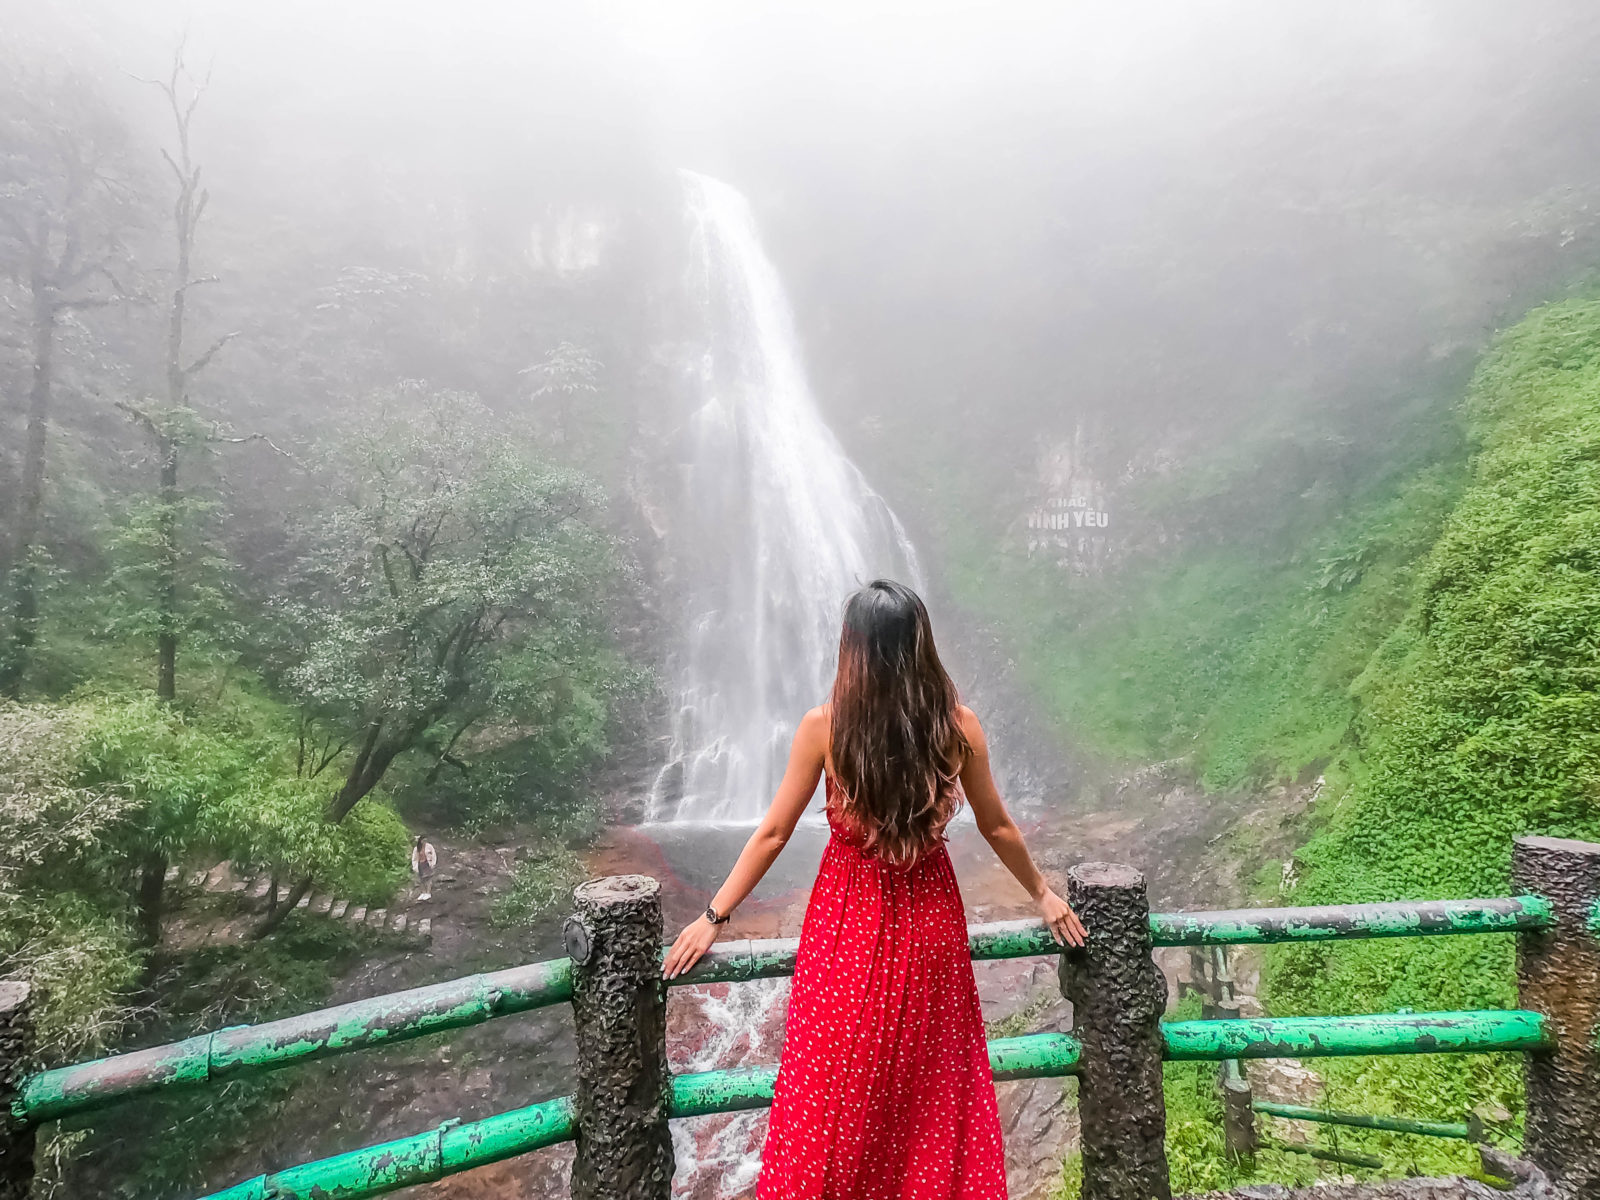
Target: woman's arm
1005,839
799,784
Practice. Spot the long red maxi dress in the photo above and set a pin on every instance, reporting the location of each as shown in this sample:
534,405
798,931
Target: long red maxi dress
884,1091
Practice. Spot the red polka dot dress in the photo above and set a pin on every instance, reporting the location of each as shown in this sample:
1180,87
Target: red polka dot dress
884,1091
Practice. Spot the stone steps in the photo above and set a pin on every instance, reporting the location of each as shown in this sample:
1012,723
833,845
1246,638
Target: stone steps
220,879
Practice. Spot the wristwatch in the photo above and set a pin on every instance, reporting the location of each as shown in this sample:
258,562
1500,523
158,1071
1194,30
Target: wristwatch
711,916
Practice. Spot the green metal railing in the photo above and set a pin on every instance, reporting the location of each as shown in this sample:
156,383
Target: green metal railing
429,1156
459,1003
213,1057
1462,1130
464,1002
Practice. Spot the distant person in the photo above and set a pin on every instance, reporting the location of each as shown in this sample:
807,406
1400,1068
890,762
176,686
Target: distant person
884,1092
423,860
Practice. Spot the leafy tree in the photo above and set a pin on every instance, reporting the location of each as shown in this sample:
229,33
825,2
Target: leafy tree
67,201
566,379
92,790
450,592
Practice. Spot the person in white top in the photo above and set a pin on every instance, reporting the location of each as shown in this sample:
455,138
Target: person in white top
423,859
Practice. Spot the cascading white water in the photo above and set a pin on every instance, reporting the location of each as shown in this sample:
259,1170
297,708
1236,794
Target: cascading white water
777,527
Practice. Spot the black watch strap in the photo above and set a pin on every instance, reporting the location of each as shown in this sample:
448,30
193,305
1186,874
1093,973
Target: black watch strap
711,916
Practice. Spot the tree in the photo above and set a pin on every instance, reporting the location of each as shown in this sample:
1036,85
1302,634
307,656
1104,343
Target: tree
66,202
564,378
453,583
171,428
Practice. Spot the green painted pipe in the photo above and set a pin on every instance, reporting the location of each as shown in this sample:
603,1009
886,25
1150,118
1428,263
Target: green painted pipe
1438,1129
1031,1056
708,1092
1381,1033
1410,918
1348,1157
421,1158
1034,1056
244,1048
739,961
1011,939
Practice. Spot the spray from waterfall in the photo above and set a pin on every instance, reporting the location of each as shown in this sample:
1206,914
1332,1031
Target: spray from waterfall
778,527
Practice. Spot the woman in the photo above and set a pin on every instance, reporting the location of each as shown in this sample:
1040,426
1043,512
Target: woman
423,860
884,1089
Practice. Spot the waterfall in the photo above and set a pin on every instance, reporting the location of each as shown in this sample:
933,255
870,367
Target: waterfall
775,528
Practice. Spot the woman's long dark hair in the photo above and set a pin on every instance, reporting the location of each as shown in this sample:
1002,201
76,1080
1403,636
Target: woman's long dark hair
896,741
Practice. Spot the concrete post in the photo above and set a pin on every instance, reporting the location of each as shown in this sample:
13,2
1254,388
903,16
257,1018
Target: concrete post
1117,995
619,1004
1558,974
16,1050
1238,1111
1238,1117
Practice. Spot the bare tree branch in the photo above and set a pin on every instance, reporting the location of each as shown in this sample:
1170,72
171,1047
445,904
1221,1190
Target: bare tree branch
254,437
204,360
139,416
176,170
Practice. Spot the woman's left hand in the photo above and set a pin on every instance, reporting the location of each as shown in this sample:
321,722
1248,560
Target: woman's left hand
1062,921
697,937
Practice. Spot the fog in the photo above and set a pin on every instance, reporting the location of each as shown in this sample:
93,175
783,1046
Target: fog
1191,209
474,434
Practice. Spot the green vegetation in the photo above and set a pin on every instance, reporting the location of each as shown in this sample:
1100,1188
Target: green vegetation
1195,1152
1479,716
268,596
540,882
1437,652
1230,642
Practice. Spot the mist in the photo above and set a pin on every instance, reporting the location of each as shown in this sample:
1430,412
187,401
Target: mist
465,422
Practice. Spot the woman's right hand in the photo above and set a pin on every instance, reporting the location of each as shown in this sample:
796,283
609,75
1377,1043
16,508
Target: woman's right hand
697,937
1062,921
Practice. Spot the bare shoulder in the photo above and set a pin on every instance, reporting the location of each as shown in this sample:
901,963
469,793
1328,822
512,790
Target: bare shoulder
971,727
814,726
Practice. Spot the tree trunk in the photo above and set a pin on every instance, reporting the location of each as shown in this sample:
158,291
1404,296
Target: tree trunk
167,574
152,892
24,570
368,769
275,917
366,772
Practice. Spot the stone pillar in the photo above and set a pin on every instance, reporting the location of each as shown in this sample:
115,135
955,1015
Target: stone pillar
16,1050
1558,974
619,1004
1117,995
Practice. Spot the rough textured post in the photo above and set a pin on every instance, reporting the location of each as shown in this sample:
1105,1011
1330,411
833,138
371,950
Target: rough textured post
16,1048
1238,1112
1558,974
1117,995
619,1002
1238,1117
